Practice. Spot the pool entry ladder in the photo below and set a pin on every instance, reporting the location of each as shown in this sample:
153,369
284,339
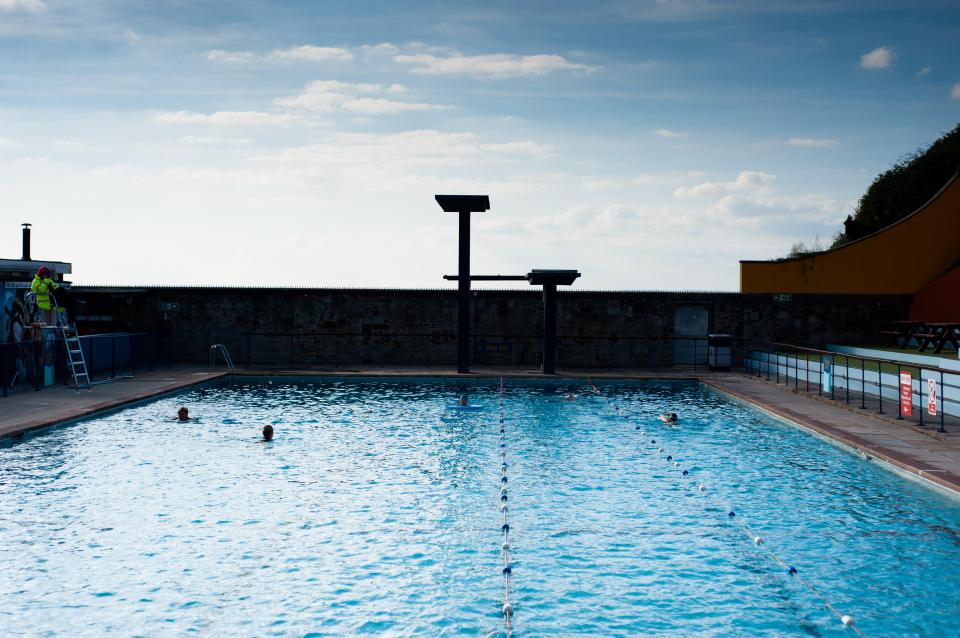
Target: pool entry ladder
75,361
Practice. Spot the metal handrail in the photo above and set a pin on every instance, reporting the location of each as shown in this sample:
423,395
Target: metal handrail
767,350
227,359
856,356
890,362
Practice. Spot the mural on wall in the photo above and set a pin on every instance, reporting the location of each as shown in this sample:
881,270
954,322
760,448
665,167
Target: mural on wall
16,319
16,334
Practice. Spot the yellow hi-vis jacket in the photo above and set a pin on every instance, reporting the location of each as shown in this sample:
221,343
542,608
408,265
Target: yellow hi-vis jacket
43,288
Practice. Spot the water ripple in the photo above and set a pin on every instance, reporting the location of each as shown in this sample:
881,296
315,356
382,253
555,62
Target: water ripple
375,511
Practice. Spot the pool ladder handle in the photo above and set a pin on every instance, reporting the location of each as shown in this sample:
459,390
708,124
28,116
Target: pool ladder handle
222,349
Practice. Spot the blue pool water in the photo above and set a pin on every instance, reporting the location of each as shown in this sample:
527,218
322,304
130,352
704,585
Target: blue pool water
376,511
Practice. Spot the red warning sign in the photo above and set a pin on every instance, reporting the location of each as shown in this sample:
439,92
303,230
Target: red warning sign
906,394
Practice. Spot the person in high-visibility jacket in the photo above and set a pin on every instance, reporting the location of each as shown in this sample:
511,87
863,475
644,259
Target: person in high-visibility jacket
43,285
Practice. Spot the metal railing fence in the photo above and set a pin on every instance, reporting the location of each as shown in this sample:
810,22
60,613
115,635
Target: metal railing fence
35,364
838,374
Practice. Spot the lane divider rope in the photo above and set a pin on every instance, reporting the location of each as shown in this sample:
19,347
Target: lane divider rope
505,528
700,488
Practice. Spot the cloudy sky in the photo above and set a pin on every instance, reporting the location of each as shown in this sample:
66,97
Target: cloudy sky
652,144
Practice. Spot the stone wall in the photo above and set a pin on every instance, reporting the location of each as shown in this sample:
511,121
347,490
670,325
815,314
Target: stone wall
344,327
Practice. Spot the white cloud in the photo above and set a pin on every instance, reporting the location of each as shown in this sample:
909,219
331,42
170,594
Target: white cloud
756,182
751,201
524,149
879,58
8,143
666,177
30,6
497,65
218,55
613,219
593,184
331,96
311,53
415,161
384,48
807,142
132,37
670,135
207,140
955,91
923,72
226,118
763,210
307,52
30,161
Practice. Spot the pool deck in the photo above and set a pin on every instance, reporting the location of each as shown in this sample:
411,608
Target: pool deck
924,454
25,411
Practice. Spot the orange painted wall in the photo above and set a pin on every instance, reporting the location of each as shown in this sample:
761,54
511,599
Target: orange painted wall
900,259
939,301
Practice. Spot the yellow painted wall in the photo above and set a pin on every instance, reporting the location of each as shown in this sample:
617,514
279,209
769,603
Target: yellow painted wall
900,259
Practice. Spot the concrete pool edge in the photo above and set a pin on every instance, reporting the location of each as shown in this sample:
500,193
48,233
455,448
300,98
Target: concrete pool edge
904,465
56,406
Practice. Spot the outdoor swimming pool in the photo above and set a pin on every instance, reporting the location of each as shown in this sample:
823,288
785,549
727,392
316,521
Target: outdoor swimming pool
376,510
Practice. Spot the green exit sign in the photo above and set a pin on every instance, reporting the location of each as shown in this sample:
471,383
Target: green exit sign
168,307
783,298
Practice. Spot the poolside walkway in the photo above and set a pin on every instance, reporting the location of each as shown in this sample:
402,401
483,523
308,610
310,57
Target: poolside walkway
25,411
924,454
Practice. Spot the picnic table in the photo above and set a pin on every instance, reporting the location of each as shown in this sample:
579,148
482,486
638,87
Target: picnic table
937,335
902,333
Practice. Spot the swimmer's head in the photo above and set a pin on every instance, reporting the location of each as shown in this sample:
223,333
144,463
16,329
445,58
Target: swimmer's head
463,399
183,414
267,432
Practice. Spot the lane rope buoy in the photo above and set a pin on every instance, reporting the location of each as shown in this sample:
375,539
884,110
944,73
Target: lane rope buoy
734,518
505,527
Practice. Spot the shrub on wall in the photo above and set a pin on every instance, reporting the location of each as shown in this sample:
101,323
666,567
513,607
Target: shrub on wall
904,188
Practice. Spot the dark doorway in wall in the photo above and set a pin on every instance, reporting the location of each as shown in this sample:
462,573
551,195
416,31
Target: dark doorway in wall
691,325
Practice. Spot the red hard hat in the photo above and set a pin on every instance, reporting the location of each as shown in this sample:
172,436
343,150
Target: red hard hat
43,271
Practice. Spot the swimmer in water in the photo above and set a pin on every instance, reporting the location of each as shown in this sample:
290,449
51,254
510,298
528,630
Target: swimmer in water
183,414
570,397
267,432
669,417
463,400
